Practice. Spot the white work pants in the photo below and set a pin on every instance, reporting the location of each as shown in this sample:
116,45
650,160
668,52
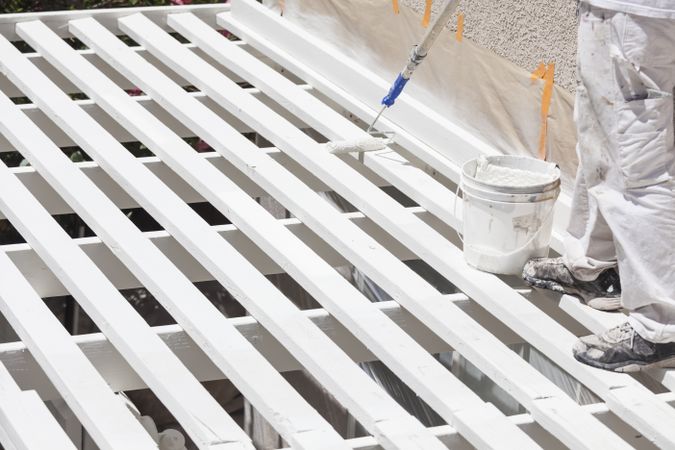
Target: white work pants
624,200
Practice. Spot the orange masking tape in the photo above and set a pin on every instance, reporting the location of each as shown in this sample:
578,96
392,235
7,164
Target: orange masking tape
547,97
460,28
395,3
539,72
427,14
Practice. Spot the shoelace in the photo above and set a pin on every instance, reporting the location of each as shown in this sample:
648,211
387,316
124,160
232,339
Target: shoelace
620,333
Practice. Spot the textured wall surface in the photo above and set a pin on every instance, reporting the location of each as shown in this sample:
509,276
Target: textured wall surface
526,32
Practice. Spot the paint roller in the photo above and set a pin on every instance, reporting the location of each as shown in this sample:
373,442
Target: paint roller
379,140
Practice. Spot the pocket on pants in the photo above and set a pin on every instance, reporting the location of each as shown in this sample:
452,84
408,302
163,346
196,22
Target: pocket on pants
645,153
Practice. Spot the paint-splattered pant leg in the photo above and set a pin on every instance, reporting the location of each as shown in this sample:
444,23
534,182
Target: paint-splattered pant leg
589,247
624,204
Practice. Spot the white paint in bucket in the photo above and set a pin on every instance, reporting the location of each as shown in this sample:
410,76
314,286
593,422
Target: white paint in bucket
508,211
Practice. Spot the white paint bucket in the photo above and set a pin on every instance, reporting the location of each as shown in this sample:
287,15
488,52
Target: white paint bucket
508,222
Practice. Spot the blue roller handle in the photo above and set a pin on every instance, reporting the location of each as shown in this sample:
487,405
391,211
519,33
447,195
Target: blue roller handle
395,90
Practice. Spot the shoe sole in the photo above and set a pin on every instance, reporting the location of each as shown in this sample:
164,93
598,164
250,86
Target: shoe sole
628,366
599,303
605,303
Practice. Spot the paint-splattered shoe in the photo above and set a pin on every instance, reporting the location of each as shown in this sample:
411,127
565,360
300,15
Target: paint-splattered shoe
603,293
622,349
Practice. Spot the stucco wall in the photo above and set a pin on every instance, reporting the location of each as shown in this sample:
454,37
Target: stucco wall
526,32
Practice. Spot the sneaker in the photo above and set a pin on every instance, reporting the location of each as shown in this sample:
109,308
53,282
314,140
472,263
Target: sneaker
622,349
603,293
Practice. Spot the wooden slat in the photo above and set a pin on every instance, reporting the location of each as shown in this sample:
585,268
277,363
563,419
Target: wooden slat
110,424
596,321
6,441
12,91
55,204
453,440
120,377
395,427
47,285
25,421
232,353
120,133
427,377
201,416
57,20
495,295
292,193
31,423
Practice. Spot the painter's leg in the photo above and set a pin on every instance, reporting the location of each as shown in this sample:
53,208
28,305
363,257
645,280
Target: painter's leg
640,204
589,243
637,195
587,268
589,247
